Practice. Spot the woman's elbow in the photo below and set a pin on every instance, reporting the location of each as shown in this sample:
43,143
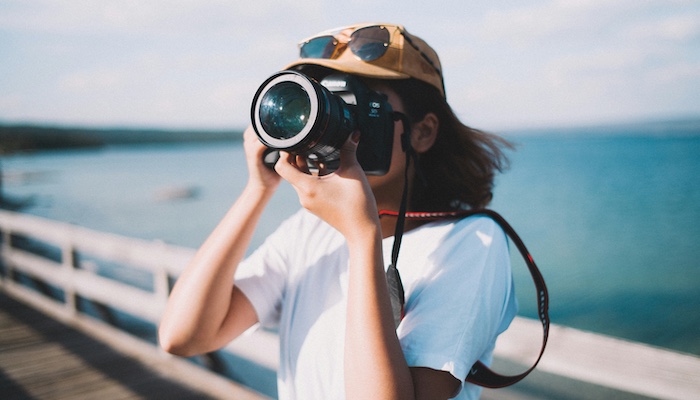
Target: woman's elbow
171,343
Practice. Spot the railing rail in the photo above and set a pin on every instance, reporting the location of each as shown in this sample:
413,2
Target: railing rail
162,262
72,265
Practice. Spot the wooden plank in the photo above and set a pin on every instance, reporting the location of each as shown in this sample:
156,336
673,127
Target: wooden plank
49,360
48,369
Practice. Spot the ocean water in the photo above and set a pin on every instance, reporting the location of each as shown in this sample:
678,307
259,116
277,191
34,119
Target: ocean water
612,218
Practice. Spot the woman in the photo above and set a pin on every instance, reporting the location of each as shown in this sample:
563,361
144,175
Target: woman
320,278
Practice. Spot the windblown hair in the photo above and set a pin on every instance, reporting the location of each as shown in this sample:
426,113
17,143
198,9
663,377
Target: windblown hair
458,171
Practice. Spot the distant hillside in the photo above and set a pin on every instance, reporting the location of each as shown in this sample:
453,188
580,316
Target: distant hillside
14,138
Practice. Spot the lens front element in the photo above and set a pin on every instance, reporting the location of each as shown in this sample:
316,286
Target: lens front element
285,110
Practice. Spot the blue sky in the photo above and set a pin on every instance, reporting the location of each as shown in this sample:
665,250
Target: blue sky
196,64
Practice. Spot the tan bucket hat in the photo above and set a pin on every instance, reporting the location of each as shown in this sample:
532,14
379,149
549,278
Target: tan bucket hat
393,53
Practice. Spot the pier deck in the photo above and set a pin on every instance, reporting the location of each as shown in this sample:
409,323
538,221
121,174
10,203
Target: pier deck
41,358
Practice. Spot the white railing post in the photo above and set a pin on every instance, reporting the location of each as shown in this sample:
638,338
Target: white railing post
161,287
68,262
161,281
4,253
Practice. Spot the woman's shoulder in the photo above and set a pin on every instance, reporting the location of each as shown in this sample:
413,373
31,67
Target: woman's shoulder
478,223
477,233
461,227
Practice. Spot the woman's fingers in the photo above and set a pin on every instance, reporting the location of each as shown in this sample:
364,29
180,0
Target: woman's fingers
293,167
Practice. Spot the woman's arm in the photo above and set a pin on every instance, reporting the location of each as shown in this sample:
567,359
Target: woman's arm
205,310
375,366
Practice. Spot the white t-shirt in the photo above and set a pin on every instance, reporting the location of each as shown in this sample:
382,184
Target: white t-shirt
457,281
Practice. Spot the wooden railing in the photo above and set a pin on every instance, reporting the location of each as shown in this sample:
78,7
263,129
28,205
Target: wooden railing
91,280
70,271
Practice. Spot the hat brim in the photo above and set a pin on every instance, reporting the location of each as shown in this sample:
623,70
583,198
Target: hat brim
356,68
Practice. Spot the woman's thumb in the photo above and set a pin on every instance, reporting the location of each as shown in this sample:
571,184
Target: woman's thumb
352,142
349,149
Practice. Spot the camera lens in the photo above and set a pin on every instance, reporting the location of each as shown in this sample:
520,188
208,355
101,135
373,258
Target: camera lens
295,113
285,110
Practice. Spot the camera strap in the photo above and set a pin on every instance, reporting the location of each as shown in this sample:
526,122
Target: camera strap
479,374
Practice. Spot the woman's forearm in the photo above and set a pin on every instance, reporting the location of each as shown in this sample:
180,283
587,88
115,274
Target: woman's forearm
204,309
375,366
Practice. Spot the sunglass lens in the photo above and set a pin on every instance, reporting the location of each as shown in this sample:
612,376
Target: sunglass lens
319,47
369,43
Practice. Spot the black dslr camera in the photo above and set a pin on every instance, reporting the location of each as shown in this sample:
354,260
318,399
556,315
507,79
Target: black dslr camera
295,113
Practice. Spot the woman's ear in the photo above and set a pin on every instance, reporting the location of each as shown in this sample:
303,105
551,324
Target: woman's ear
425,132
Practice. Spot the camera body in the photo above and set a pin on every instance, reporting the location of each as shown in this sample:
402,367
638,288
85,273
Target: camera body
295,113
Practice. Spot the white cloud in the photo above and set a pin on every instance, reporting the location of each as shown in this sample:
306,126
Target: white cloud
588,20
676,28
154,17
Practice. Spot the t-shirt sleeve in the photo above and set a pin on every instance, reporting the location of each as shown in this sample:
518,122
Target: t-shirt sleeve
262,276
462,301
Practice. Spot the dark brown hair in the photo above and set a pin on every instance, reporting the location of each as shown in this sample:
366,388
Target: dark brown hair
458,170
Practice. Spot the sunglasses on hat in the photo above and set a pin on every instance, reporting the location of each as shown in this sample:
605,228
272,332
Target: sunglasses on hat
367,43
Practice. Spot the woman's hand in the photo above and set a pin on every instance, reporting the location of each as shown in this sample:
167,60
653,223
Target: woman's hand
343,198
258,173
